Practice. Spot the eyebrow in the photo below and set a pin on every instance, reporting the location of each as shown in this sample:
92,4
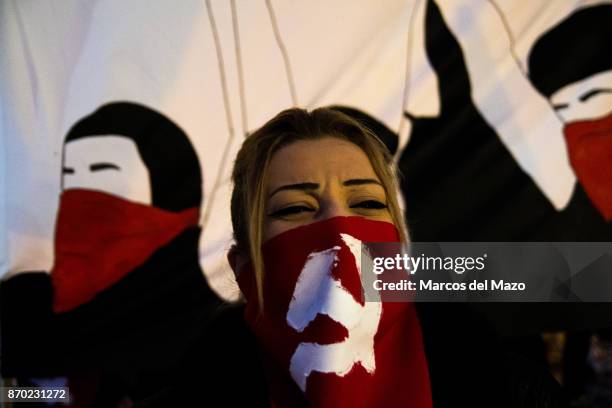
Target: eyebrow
360,182
297,186
314,186
584,97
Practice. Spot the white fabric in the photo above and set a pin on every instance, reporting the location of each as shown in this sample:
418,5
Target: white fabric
61,59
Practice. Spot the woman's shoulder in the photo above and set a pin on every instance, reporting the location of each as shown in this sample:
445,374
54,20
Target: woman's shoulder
469,365
222,364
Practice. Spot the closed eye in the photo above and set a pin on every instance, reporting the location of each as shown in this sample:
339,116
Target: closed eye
294,209
103,166
560,106
594,92
370,205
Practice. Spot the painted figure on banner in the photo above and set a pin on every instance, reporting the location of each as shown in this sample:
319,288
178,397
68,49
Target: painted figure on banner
571,66
576,50
126,280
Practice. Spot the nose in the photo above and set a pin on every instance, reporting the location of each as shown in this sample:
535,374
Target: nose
333,206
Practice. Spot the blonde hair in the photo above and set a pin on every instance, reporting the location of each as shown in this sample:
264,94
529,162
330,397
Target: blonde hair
250,172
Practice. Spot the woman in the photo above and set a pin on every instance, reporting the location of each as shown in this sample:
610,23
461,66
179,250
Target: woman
309,188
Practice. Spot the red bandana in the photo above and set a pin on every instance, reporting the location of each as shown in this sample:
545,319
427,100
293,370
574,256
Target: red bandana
321,341
589,144
100,238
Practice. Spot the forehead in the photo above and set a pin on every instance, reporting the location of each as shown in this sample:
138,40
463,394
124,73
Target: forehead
577,89
316,160
114,148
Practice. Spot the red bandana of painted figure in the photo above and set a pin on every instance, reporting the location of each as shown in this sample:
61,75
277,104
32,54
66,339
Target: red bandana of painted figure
322,344
589,145
100,238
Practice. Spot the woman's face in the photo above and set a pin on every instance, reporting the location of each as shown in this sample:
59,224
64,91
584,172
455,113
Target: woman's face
312,180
